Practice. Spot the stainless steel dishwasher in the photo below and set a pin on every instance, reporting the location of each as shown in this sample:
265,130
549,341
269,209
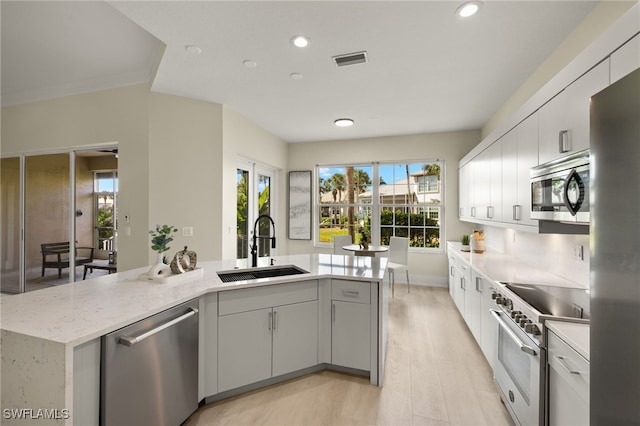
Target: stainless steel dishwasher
149,370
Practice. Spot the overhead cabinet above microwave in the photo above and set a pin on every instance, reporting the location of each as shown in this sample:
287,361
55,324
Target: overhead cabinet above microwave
564,120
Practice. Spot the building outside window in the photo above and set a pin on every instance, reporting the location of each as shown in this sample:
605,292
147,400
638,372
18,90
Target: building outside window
402,199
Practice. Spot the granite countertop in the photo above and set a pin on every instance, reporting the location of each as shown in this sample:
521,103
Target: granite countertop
78,312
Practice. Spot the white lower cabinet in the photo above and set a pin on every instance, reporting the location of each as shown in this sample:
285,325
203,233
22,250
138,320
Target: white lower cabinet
487,325
471,291
244,348
295,337
568,384
265,332
351,324
458,282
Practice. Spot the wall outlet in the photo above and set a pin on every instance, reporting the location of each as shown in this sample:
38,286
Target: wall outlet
578,252
187,231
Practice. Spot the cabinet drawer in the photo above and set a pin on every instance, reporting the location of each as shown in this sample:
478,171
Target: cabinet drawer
351,291
569,365
250,299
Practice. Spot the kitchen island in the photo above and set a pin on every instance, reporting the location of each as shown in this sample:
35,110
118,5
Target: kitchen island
51,337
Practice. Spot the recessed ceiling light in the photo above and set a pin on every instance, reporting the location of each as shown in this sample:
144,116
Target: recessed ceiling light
343,122
296,76
249,64
195,50
468,9
300,41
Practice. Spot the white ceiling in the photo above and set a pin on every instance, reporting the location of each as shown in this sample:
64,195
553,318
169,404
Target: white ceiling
428,71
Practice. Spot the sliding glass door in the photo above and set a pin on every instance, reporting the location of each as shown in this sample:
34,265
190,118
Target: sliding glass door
51,206
10,189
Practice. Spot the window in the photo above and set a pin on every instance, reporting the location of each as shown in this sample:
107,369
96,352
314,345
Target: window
383,200
105,193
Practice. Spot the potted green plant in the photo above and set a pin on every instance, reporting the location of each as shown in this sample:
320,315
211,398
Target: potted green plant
465,242
160,239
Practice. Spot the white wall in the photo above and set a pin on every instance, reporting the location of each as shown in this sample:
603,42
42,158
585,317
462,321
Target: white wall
450,147
185,172
243,138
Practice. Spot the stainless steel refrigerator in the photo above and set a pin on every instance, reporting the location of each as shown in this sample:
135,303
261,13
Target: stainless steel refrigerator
615,254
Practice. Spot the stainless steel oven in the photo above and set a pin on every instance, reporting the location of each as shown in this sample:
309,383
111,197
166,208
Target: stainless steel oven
519,371
560,189
520,352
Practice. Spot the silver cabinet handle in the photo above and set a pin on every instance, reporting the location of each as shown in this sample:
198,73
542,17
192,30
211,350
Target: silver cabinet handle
462,283
460,212
473,212
132,340
563,362
489,212
275,320
478,287
517,212
524,348
270,321
333,312
563,141
350,293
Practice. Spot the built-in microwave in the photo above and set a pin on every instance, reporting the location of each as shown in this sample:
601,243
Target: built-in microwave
560,189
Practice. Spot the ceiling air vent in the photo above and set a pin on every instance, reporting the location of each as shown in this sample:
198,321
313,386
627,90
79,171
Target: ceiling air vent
350,59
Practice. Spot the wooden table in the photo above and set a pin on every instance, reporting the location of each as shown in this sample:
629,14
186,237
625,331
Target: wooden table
370,251
111,267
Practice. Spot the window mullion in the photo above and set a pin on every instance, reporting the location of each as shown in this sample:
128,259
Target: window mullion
375,205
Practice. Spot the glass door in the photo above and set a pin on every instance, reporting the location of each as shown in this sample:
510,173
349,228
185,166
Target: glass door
254,183
47,220
11,225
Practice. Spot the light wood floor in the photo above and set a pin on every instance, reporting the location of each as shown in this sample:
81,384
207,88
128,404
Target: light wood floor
435,375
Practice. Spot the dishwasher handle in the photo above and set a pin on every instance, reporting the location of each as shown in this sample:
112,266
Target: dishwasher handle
132,340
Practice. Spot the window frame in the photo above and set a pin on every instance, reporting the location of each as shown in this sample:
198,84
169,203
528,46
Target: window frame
376,206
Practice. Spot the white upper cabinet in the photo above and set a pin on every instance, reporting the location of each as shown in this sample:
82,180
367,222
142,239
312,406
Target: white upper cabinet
625,59
519,154
466,193
564,120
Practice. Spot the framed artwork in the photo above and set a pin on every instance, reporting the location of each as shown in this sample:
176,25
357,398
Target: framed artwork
300,205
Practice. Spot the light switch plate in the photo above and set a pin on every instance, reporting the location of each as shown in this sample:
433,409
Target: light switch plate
187,231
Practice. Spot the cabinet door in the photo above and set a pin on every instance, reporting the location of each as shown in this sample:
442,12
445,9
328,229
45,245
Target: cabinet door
509,175
466,190
578,102
487,323
472,306
568,386
351,335
553,120
295,337
527,157
244,348
626,59
481,185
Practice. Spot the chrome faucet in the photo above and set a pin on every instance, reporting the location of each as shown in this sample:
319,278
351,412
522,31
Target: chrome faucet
254,246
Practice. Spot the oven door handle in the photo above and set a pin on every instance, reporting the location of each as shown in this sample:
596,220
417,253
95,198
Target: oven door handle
511,334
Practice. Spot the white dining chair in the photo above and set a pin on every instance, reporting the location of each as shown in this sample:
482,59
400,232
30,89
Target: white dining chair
398,260
340,241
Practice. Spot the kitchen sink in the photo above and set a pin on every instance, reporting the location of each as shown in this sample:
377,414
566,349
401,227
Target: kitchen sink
257,273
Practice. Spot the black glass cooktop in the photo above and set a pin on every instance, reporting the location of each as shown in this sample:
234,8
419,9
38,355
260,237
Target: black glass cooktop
556,301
